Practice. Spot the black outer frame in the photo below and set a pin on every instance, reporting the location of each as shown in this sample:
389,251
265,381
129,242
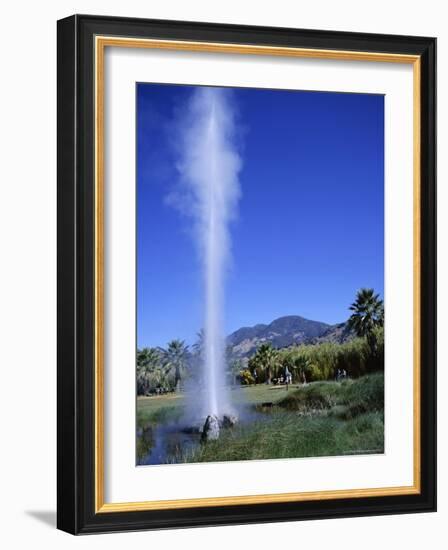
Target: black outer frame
75,403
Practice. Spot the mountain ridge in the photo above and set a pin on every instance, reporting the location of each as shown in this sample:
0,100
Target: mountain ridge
285,331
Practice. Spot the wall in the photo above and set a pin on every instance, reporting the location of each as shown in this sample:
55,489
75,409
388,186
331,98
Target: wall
28,270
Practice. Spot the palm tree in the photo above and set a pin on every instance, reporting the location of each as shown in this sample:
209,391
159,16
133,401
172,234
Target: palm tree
302,364
368,314
147,357
264,359
149,373
175,360
198,346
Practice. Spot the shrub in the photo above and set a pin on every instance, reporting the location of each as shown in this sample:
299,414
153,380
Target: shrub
347,400
366,394
246,377
317,396
322,361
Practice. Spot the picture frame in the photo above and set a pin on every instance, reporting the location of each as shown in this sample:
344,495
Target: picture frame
82,42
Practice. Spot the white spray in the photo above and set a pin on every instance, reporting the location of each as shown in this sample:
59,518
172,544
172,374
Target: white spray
209,166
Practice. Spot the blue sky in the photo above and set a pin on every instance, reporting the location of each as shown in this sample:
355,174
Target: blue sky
310,226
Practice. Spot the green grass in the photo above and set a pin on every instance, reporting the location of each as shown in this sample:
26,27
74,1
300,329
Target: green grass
320,419
170,407
261,393
155,410
289,435
366,394
314,397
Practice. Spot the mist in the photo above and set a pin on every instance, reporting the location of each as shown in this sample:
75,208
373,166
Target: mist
208,162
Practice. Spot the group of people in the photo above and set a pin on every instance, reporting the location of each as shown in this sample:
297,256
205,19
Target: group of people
285,378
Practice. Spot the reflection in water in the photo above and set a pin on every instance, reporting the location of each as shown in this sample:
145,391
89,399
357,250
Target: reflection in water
165,444
145,442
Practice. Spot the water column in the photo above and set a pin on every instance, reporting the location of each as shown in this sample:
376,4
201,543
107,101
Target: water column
209,164
214,241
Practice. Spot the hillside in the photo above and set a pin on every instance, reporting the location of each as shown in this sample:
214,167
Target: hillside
284,332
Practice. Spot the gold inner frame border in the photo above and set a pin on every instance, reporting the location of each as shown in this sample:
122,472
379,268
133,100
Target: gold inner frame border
100,43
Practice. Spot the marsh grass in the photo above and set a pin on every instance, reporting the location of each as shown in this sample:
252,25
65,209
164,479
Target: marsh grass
287,435
159,414
319,419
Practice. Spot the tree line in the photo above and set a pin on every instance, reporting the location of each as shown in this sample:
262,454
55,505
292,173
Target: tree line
311,362
161,370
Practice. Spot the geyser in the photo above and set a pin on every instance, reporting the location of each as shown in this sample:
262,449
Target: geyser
209,167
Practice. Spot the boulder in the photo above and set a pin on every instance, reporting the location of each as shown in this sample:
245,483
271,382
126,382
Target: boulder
229,420
210,431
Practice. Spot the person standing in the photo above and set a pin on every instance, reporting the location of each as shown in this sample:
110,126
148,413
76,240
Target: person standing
288,377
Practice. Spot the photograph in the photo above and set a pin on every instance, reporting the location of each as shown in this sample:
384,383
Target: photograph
260,306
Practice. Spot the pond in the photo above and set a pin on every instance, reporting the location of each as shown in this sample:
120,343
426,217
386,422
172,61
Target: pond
170,442
161,444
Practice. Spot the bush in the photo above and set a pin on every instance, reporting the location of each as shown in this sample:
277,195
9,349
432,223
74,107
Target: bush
366,394
152,382
317,396
322,361
346,400
246,377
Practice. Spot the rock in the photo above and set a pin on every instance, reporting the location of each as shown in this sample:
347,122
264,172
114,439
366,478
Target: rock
229,420
210,431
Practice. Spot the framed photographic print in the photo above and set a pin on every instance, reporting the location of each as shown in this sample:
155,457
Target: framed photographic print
246,274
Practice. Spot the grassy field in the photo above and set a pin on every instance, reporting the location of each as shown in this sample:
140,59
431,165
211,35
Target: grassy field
166,407
159,409
320,419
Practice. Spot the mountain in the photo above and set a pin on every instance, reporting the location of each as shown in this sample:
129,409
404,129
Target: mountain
284,332
336,333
